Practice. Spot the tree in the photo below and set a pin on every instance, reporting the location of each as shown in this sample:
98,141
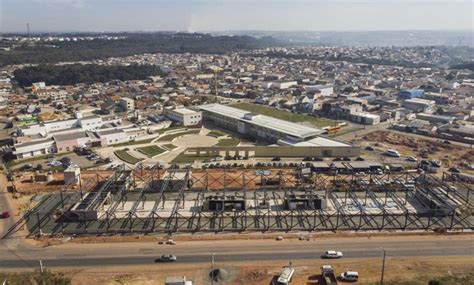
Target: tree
440,111
39,167
348,89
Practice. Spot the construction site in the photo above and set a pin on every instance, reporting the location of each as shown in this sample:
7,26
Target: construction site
323,197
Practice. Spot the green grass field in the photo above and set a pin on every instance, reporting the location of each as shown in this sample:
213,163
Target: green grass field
161,131
216,133
283,115
188,158
228,142
125,156
151,150
170,146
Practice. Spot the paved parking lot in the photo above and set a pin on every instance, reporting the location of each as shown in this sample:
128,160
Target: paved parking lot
81,161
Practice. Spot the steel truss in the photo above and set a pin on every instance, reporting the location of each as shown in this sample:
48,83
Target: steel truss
386,195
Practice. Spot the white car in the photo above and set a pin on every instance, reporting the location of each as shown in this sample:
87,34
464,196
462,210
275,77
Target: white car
333,254
350,276
412,158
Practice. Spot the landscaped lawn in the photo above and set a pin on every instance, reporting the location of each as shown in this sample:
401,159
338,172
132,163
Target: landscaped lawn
216,133
190,158
172,136
161,131
283,115
170,146
125,156
228,142
151,150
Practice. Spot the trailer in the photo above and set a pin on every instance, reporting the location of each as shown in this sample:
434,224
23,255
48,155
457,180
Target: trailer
329,275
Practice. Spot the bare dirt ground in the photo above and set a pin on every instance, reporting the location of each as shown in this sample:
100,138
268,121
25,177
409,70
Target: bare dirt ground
450,155
413,270
29,183
216,178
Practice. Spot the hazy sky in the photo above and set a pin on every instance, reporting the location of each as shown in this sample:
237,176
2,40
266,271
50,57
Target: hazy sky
221,15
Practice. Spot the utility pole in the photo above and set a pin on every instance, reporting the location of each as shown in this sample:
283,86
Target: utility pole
41,266
383,266
28,30
212,268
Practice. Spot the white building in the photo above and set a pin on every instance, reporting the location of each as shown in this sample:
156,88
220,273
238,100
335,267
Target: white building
127,104
256,125
110,137
365,118
283,84
184,116
324,90
418,105
33,148
91,123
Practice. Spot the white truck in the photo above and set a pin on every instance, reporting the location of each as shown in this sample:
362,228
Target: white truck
328,275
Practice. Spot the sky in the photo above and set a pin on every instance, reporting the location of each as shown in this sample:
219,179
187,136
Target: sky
228,15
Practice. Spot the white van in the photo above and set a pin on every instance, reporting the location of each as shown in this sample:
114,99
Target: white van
350,276
392,152
286,276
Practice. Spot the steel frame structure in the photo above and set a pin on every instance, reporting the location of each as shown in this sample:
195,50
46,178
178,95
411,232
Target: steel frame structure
340,189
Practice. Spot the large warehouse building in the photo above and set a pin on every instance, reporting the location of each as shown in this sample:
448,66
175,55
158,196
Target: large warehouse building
295,140
256,125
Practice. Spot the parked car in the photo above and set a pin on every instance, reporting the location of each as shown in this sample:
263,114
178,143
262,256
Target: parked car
66,161
332,254
93,157
167,258
435,163
26,166
369,148
276,158
350,276
392,153
454,170
55,163
412,158
5,215
424,162
446,142
452,189
360,159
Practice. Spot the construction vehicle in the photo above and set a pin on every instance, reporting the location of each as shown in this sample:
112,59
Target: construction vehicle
328,275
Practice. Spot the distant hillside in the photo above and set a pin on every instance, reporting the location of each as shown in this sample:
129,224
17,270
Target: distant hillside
78,73
467,65
134,43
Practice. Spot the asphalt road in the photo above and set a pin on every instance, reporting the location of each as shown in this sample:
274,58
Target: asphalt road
123,254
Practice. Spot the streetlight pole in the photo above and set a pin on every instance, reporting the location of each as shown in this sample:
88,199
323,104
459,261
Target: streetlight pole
212,268
383,266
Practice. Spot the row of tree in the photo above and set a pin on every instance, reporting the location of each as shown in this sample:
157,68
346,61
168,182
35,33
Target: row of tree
78,73
134,43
